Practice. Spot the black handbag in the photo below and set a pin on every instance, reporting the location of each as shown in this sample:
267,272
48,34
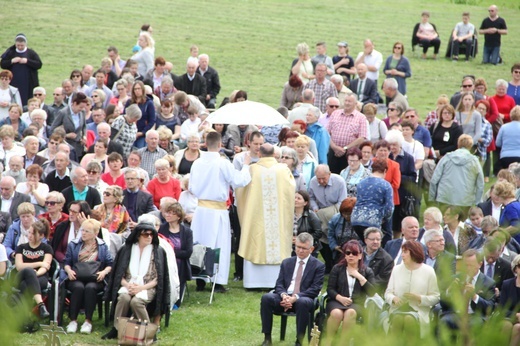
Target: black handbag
87,271
408,207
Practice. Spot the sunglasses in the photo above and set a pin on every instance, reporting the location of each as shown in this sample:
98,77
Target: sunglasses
38,94
333,106
76,75
107,194
147,234
467,85
92,172
50,203
353,253
286,157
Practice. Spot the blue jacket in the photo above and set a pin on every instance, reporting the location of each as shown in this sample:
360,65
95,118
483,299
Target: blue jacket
322,138
402,66
71,257
12,237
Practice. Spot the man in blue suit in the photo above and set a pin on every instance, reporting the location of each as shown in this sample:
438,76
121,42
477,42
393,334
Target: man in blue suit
296,287
410,230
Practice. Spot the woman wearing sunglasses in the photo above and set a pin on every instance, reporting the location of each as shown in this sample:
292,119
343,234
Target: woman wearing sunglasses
350,283
114,215
140,278
54,204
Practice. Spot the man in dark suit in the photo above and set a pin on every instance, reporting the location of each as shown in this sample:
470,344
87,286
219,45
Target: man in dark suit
410,231
136,202
296,287
364,87
103,132
443,262
377,258
79,190
212,81
192,83
494,266
10,199
490,205
475,288
32,144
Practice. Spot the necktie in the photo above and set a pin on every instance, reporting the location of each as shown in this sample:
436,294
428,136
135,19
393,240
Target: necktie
360,88
489,271
298,279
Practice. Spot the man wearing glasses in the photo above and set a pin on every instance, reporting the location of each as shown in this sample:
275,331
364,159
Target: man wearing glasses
420,133
322,87
493,27
513,89
375,257
468,85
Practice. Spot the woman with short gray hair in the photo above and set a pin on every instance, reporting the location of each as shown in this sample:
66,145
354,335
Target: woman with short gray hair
290,158
163,184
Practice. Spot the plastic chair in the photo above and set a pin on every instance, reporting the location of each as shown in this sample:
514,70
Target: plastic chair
210,270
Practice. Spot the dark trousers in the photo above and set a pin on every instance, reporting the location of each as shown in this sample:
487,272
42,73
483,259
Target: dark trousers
270,303
336,164
326,253
506,161
456,45
84,294
435,43
237,232
28,281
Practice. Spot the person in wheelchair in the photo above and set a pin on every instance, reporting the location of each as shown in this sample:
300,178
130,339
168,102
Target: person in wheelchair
140,281
33,261
87,262
350,282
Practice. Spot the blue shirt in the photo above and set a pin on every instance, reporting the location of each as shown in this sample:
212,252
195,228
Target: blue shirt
422,135
508,139
331,194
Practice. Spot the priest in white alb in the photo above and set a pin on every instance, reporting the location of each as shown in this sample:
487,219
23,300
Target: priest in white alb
266,212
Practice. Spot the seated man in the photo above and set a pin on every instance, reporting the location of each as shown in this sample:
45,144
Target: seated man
296,288
494,266
410,231
462,34
377,259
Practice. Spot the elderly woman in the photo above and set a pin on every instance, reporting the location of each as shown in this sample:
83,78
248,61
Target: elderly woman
507,139
140,278
305,220
32,261
355,172
99,154
412,289
426,34
54,204
166,140
510,302
98,98
367,154
87,262
180,238
115,175
393,112
163,184
409,196
393,173
144,57
340,228
411,145
145,104
350,282
70,229
504,102
185,157
398,66
33,188
468,117
94,170
445,133
374,203
510,216
14,119
292,92
114,215
303,66
307,163
432,218
18,231
173,166
187,199
290,158
122,96
8,93
378,128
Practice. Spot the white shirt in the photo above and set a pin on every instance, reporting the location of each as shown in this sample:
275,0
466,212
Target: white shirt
290,290
495,211
6,204
373,59
3,254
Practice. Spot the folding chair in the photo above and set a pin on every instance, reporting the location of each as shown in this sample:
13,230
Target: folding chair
210,269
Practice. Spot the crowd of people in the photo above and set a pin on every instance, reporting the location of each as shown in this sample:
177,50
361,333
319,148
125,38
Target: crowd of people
122,174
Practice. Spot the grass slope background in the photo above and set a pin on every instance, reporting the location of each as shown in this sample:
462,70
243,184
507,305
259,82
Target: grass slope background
251,44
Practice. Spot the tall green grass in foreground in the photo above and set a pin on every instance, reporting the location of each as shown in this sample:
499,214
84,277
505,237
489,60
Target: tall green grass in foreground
251,44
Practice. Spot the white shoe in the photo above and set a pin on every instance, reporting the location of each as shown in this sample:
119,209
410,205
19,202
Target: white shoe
72,327
86,328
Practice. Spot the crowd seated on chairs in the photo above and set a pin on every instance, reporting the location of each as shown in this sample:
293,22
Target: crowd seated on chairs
151,260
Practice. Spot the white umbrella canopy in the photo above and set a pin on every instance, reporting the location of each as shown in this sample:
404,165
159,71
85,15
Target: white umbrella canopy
247,113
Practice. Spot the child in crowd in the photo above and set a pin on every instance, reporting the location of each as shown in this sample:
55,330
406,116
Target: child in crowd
190,125
194,54
475,219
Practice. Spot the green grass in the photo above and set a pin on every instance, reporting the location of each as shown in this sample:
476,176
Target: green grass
252,44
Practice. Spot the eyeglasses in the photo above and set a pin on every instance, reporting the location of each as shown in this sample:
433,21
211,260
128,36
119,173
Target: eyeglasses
92,172
38,94
467,85
51,203
76,75
73,211
4,78
147,234
392,109
516,71
333,106
107,194
53,143
398,47
286,157
351,253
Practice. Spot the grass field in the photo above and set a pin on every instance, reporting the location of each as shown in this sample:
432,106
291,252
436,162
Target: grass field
251,43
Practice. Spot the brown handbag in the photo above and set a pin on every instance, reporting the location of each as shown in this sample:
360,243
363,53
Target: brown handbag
131,331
